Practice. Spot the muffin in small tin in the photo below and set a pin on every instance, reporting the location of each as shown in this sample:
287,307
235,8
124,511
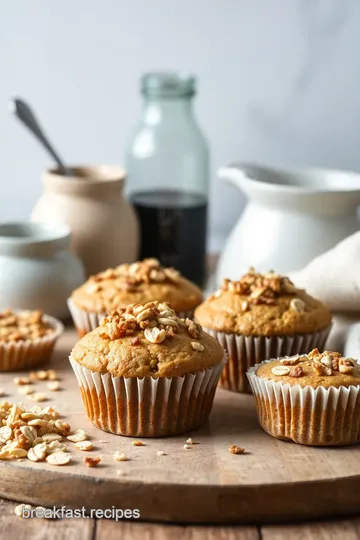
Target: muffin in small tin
137,283
262,316
146,372
311,399
27,338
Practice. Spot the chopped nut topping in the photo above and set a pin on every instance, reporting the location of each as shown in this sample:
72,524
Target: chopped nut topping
297,305
197,346
137,443
156,320
233,449
320,369
23,326
280,370
260,288
326,361
296,371
120,456
291,361
346,366
92,461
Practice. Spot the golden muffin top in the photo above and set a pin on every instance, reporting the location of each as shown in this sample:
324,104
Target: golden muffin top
137,283
314,369
262,305
147,340
23,325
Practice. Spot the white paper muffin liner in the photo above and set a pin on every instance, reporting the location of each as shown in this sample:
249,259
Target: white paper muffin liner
19,355
246,351
85,321
147,407
316,417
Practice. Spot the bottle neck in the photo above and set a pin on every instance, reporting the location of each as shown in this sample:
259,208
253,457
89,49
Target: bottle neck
158,110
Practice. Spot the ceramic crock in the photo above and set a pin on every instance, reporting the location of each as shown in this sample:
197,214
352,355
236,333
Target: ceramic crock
37,269
103,223
291,217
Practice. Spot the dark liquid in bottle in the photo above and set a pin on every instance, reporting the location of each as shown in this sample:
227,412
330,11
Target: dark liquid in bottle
173,229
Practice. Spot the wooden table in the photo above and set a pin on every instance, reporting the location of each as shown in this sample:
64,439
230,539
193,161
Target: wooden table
12,526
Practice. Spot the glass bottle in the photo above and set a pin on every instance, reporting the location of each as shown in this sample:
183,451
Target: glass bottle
168,166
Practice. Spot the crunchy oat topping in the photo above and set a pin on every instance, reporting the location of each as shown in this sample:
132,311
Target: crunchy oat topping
261,289
127,277
23,326
233,449
156,319
322,364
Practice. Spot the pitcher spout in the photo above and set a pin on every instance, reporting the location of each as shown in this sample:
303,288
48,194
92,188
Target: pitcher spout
232,174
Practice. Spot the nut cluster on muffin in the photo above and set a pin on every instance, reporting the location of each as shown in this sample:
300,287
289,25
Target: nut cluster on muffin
157,320
23,325
315,369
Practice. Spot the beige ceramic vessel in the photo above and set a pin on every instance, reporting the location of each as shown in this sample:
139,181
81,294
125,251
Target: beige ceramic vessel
103,223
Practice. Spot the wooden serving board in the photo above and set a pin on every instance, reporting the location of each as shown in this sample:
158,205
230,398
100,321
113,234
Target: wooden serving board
272,482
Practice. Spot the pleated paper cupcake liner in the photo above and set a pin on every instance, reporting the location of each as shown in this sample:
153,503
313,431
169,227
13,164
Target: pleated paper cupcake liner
315,417
85,321
246,351
147,407
20,355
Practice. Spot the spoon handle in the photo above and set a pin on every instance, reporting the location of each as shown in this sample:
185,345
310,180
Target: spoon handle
22,110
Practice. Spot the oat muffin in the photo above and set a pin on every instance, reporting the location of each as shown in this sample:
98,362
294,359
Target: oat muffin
27,338
137,283
146,372
311,399
259,317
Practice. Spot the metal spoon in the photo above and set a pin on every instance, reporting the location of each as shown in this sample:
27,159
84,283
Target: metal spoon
22,110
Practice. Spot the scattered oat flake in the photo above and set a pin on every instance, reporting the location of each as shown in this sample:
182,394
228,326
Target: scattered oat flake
50,437
187,446
120,456
26,389
54,386
161,453
233,449
138,443
189,441
22,380
84,446
42,375
78,436
59,458
92,461
38,396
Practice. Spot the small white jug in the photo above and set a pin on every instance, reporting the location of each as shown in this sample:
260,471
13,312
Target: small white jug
291,217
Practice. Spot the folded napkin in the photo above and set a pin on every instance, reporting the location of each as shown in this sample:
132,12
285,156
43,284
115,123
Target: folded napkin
334,276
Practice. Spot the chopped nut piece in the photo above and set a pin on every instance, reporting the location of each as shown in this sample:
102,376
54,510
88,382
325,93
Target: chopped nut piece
346,366
280,370
233,449
120,456
137,443
6,433
291,361
78,436
54,386
22,381
135,341
84,446
326,361
59,458
92,461
52,375
320,369
313,353
296,371
42,375
297,305
197,346
155,335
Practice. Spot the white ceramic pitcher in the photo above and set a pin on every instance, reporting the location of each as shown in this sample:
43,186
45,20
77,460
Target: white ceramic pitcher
291,217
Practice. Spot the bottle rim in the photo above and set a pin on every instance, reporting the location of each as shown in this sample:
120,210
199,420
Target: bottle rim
169,84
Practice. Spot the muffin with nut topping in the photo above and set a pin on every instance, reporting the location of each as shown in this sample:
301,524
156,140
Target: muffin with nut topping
259,317
146,372
137,283
27,338
311,399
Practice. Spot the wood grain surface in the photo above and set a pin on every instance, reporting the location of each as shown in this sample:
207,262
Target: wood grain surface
272,482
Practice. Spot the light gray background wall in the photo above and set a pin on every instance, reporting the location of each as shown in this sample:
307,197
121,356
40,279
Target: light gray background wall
278,82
